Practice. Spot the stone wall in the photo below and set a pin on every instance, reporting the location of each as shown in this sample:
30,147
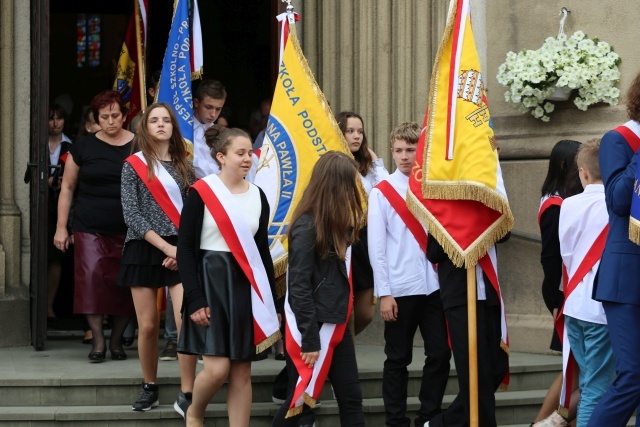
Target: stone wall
14,153
526,142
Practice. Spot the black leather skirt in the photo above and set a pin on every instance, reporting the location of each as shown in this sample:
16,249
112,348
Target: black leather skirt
228,294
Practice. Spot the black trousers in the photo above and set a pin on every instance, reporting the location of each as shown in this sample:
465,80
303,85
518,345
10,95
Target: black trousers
492,365
343,375
415,312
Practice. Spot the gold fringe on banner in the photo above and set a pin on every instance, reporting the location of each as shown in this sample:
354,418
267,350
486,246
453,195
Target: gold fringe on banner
634,230
281,285
280,265
268,342
460,257
325,105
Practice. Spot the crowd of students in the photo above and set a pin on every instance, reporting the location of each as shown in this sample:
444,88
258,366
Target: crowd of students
144,212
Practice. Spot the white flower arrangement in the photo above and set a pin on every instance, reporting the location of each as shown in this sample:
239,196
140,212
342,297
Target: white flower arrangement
588,66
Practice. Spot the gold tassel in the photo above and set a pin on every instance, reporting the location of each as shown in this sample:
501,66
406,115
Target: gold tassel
294,411
505,347
196,75
310,401
268,342
564,412
634,230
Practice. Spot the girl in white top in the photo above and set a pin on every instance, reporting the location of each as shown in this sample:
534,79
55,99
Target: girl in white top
372,171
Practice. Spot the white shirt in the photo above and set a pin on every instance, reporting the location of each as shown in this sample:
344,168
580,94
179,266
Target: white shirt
400,266
376,174
54,155
203,163
211,238
582,219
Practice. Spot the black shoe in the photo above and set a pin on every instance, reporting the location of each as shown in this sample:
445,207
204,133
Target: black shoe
118,355
97,356
149,397
182,403
170,352
127,341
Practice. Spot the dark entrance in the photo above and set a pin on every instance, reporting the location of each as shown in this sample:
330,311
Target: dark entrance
240,47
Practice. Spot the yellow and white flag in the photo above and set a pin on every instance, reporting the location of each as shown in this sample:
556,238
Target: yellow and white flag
301,128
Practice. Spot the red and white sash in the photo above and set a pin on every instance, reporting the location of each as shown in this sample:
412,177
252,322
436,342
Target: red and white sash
546,203
630,131
588,251
236,233
311,380
489,265
399,204
163,188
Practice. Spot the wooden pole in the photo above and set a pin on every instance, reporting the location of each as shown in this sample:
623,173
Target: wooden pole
473,346
140,59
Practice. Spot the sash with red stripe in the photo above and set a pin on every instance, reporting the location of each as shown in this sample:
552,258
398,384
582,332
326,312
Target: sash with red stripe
488,264
236,233
629,135
400,206
311,380
547,203
163,187
569,285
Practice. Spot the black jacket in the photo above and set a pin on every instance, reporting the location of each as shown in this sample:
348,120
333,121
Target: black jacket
453,280
318,288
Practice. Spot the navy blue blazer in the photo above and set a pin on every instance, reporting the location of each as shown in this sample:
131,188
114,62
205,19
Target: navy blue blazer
619,276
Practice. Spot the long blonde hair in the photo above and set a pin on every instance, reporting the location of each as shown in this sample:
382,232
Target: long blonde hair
146,143
333,200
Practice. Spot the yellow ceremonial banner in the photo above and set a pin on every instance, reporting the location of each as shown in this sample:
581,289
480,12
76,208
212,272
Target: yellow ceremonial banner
301,128
456,187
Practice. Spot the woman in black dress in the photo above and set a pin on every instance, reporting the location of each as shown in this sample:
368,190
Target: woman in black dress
227,275
154,186
92,181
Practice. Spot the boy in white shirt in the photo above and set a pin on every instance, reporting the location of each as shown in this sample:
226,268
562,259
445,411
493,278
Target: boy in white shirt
407,286
582,231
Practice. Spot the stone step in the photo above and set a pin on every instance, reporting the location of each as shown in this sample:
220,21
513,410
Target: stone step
38,378
512,407
123,391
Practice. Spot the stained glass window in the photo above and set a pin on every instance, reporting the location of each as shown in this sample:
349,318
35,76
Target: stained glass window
81,40
94,40
88,40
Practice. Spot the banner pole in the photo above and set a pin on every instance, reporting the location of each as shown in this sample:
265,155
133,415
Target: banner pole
140,61
473,346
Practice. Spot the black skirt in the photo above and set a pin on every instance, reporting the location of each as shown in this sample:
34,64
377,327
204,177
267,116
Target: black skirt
141,265
362,271
228,294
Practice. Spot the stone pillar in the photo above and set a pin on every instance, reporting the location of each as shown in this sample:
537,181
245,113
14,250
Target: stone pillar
9,212
374,58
